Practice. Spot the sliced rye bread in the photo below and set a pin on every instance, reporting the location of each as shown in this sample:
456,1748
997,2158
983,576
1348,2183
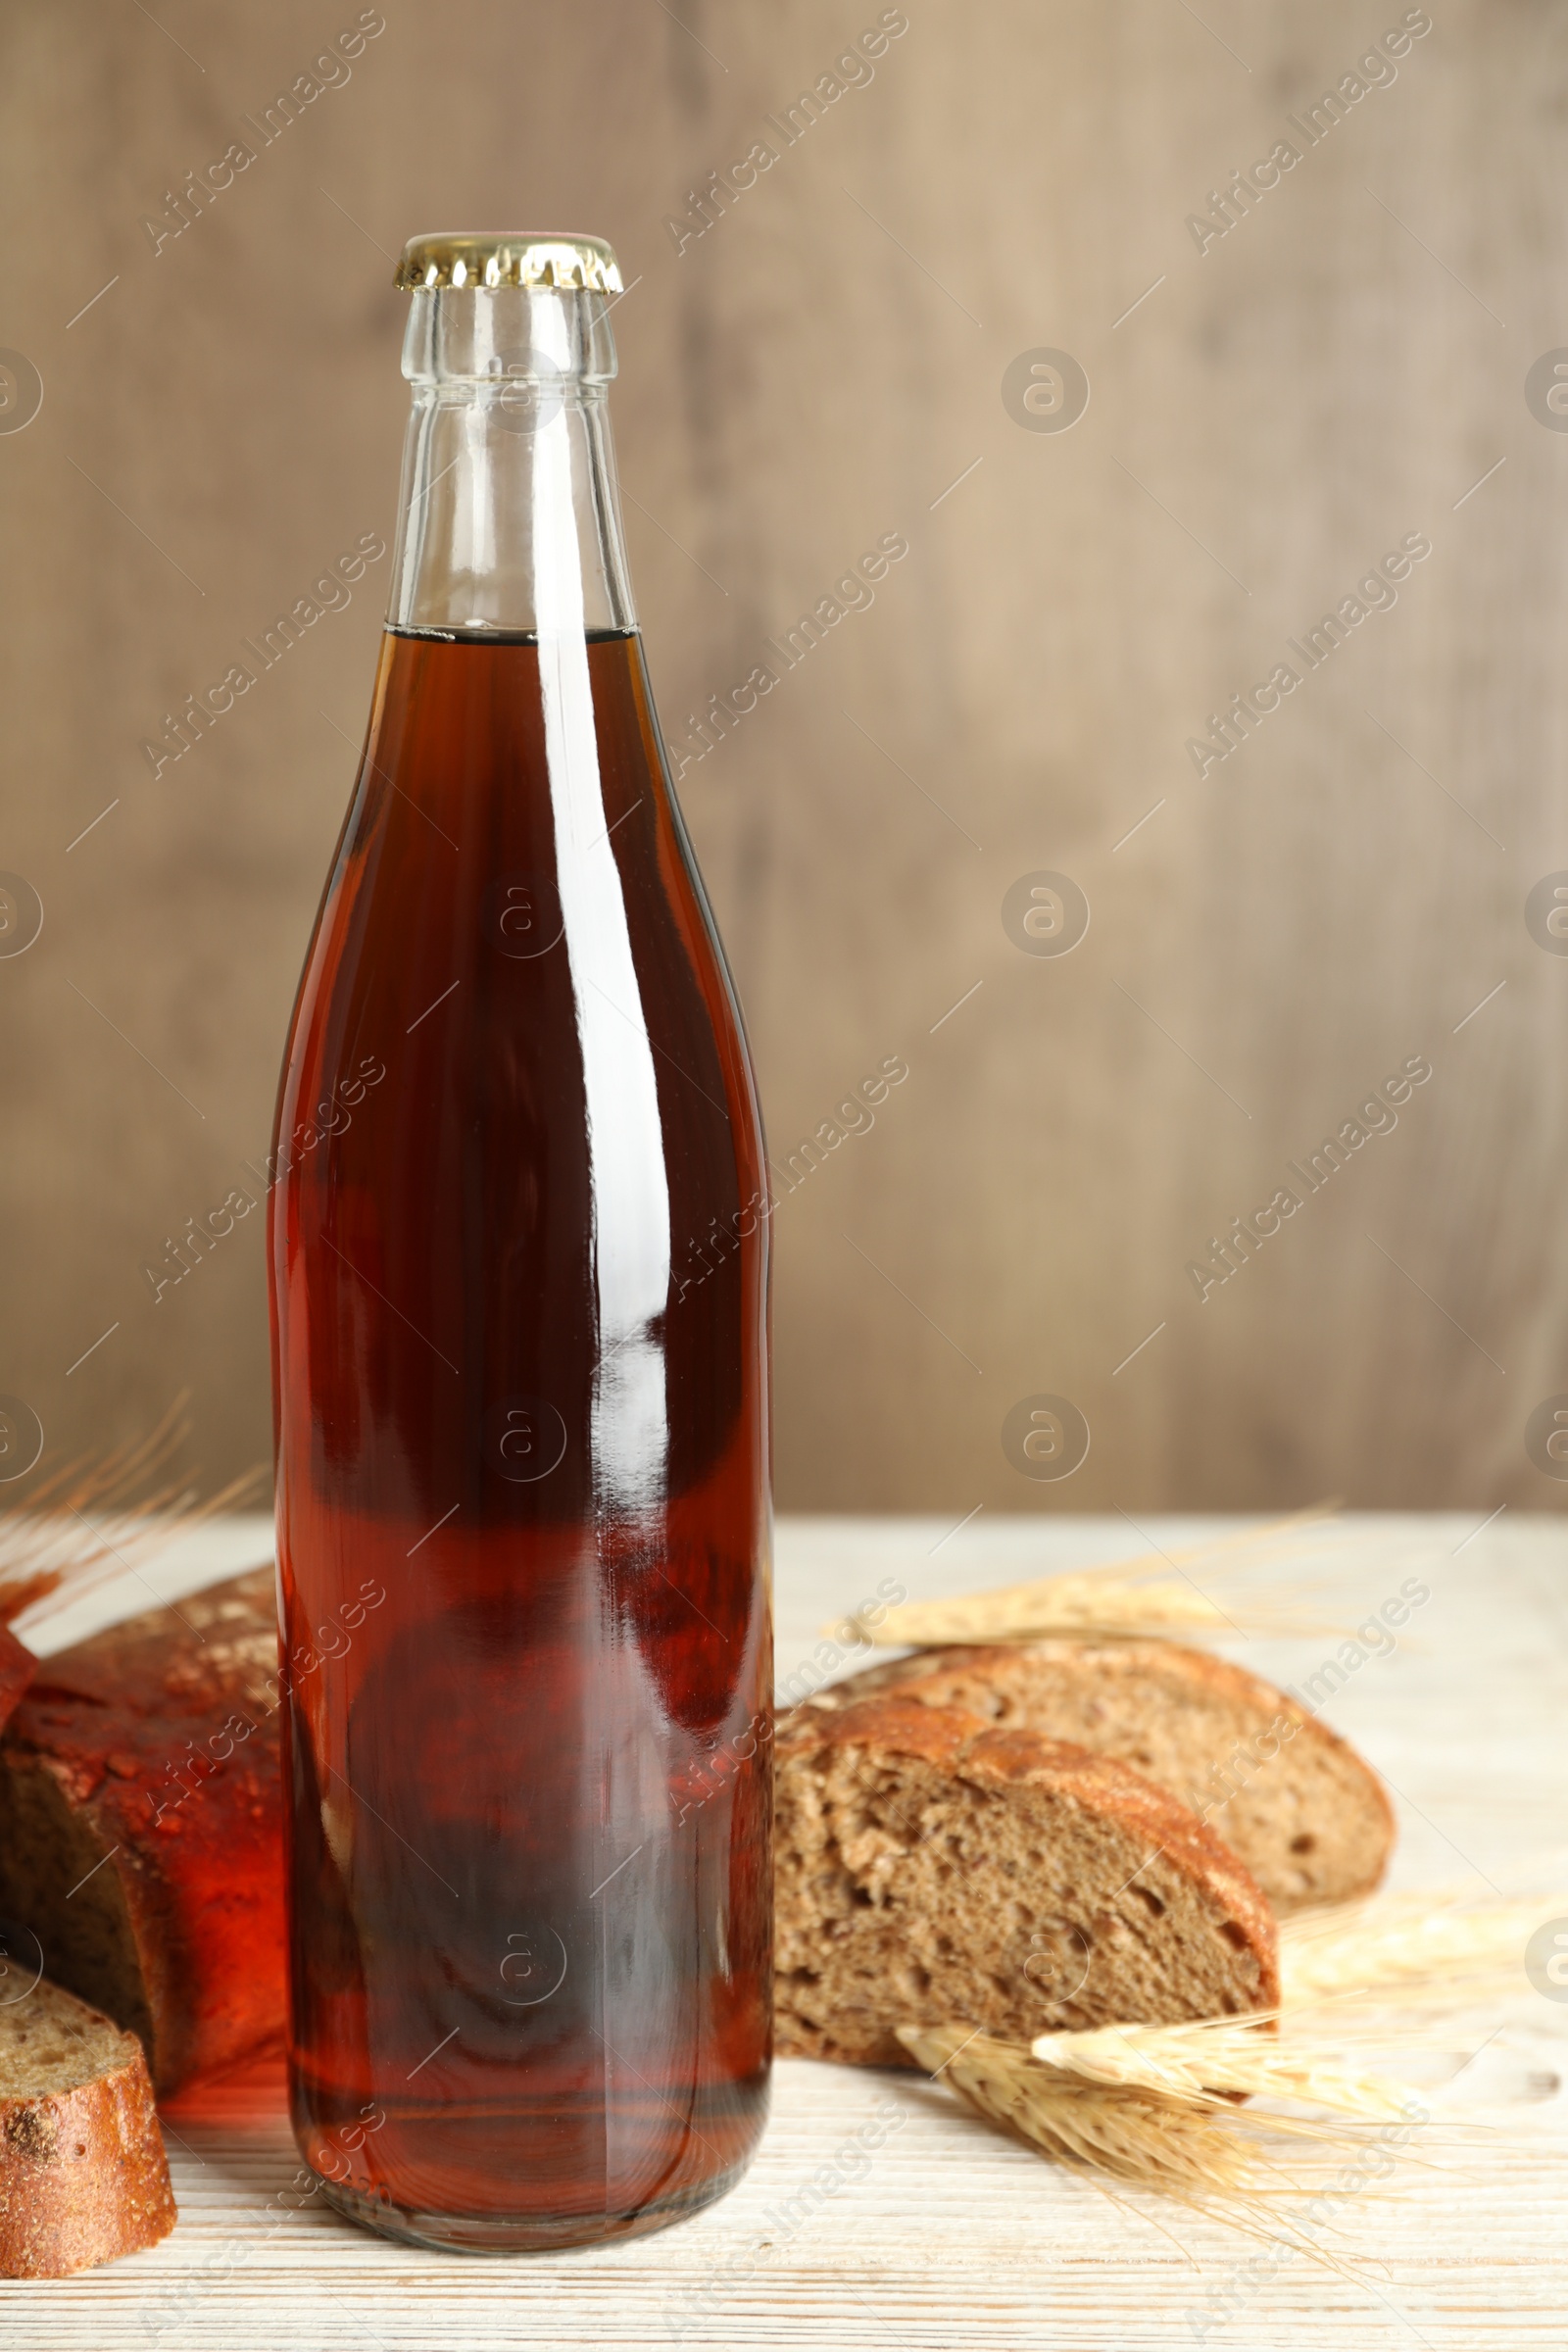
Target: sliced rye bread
83,2178
1301,1809
934,1868
140,1826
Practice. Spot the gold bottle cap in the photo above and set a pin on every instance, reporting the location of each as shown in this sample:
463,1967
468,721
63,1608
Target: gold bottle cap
508,258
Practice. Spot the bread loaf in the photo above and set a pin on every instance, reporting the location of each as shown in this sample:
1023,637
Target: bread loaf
140,1826
1294,1801
83,2178
932,1868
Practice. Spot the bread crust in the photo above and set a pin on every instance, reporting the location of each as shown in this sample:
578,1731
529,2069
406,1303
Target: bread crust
1180,1675
153,1749
967,1750
83,2178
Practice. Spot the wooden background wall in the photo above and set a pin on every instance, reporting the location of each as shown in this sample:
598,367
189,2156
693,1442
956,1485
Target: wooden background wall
824,366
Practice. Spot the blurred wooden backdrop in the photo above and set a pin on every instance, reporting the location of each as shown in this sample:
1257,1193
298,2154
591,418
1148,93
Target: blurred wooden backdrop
1270,411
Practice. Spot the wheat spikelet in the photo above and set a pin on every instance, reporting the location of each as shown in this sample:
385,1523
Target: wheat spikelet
1200,2149
1127,2134
1206,2153
1213,2059
1119,1598
1078,1603
1415,1946
96,1515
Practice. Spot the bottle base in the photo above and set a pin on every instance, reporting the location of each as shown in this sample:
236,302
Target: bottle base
463,2233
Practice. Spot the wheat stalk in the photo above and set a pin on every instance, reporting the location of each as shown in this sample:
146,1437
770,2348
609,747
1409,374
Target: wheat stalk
1219,2058
97,1514
1190,2146
1120,1600
1189,2143
1129,2134
1417,1946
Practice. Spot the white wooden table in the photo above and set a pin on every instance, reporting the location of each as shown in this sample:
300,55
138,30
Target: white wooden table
950,2235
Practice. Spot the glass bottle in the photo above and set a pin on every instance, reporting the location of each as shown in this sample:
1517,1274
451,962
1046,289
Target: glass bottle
518,1280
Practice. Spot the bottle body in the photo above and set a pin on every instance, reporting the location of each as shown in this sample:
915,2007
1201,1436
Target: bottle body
517,1255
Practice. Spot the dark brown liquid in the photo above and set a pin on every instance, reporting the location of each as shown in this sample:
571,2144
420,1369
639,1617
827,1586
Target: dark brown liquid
518,1278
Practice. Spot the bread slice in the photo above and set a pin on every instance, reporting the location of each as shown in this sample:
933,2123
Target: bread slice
83,2178
140,1826
1293,1800
934,1868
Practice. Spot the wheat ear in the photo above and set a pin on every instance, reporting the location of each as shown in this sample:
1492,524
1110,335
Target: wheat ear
1416,1947
1197,2147
98,1514
1120,1600
1214,2059
1130,2134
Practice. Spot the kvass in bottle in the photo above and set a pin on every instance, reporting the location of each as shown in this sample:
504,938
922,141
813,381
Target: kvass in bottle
518,1280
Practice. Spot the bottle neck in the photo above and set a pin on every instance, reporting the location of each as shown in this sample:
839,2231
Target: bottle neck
510,521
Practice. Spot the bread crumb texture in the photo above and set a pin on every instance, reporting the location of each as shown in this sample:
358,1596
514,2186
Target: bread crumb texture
932,1867
1307,1815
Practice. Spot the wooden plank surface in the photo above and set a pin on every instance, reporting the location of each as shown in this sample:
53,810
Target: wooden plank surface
877,2211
